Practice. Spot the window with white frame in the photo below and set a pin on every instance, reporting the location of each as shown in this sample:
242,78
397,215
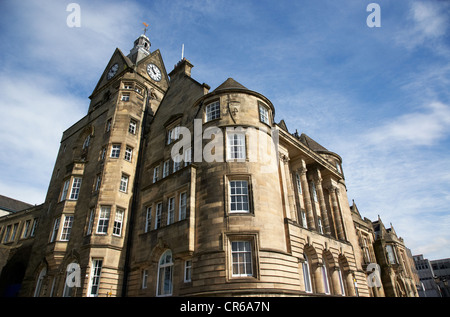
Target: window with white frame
173,134
67,228
125,97
187,271
128,153
148,219
341,282
76,184
86,142
155,174
90,222
304,222
103,220
118,222
236,146
326,281
171,210
26,228
33,229
98,182
307,275
132,126
124,183
144,279
314,192
165,272
65,190
55,229
158,215
115,151
95,277
239,196
263,114
166,168
183,206
212,111
188,156
299,183
241,258
319,223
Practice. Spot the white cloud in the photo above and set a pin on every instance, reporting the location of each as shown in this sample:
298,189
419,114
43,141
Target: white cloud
414,129
428,23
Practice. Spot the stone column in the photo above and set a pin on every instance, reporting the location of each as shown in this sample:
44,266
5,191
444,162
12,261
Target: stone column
307,197
323,207
336,212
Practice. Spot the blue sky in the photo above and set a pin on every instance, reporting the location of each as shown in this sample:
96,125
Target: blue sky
379,97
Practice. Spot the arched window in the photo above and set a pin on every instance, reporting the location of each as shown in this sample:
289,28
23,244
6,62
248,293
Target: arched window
40,279
341,282
326,282
165,268
306,274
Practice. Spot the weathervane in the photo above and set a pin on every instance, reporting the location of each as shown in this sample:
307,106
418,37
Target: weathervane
146,26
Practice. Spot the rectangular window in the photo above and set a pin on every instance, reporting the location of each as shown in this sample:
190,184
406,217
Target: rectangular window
314,192
239,198
187,271
263,114
33,230
182,207
103,155
158,215
236,146
148,218
171,211
108,125
299,183
144,279
125,97
115,151
118,222
304,222
98,182
14,232
155,174
132,126
123,183
95,277
55,229
128,154
75,188
166,168
173,134
212,111
103,220
65,190
90,222
241,254
307,277
67,228
26,228
7,233
188,156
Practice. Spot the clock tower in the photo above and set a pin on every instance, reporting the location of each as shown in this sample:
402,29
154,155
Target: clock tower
90,197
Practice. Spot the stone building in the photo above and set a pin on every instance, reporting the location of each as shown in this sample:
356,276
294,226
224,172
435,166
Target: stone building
166,188
398,273
428,288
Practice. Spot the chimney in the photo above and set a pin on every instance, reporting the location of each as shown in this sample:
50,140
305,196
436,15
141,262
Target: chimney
182,68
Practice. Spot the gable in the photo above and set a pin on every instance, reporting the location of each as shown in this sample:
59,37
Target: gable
120,62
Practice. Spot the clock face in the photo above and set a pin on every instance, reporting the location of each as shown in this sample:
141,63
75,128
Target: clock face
154,72
113,70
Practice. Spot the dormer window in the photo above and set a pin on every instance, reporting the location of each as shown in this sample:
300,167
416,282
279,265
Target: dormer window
264,114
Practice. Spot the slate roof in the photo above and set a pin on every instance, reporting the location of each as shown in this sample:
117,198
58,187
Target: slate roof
230,83
310,143
13,205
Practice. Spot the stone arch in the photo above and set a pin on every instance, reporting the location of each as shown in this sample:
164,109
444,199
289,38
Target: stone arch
347,275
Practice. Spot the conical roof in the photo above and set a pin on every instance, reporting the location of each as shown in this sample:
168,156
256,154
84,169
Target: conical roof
230,83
